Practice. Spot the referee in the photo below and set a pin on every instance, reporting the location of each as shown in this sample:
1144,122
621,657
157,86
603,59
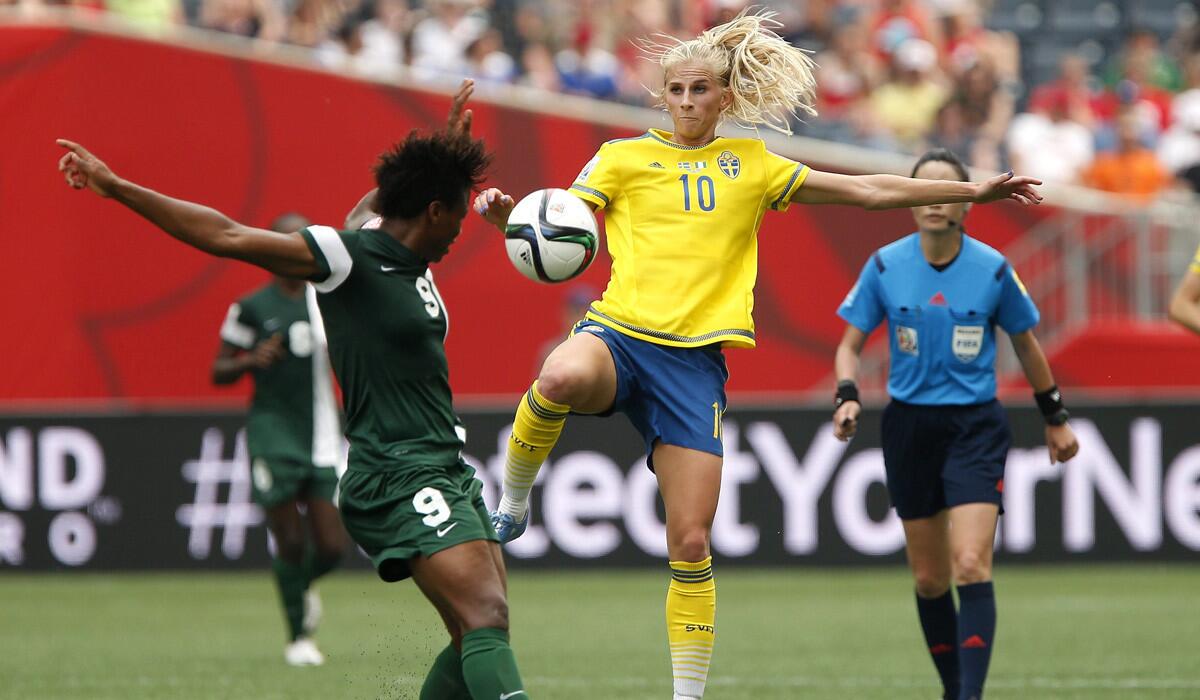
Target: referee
945,437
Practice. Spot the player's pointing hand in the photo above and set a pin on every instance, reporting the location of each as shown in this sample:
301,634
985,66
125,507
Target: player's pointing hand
82,169
1007,186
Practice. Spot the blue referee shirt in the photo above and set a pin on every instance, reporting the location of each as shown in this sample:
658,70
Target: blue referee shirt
941,323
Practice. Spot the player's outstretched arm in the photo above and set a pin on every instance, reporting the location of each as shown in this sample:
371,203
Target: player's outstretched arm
198,226
893,191
1185,304
1060,439
845,365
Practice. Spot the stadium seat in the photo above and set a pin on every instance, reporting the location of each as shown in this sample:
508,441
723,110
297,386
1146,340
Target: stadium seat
1019,16
1163,16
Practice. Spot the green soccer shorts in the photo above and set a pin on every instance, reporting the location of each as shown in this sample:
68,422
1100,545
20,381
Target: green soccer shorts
399,514
276,480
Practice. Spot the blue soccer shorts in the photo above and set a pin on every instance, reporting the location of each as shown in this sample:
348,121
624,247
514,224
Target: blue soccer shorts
938,457
670,394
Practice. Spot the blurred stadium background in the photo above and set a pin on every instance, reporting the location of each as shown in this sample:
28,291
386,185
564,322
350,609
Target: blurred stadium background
119,462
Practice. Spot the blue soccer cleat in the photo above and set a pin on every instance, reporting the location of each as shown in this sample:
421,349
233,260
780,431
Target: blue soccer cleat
507,527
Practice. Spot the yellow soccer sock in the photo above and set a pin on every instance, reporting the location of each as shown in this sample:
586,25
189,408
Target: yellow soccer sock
691,625
538,423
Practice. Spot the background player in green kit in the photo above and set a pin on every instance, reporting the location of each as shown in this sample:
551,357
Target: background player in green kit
293,438
407,497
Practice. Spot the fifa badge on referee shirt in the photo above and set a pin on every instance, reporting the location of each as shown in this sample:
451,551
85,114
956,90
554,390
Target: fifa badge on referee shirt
906,340
967,342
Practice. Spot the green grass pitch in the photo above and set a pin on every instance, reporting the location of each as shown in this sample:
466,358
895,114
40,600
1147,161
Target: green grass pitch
1123,632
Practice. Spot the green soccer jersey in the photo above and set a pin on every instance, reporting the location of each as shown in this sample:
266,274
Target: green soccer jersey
386,325
292,414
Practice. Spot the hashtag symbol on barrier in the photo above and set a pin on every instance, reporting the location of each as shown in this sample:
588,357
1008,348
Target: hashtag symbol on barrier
206,512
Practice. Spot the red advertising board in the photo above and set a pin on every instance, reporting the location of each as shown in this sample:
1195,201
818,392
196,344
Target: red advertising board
100,305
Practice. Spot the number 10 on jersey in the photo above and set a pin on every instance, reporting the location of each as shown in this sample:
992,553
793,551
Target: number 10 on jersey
706,196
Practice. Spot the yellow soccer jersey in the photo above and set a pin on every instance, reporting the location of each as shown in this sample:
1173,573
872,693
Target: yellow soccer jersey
682,226
1195,266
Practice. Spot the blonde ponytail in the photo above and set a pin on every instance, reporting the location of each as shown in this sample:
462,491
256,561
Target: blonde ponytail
769,78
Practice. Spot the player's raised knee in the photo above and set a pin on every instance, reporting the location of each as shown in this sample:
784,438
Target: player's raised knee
564,380
971,567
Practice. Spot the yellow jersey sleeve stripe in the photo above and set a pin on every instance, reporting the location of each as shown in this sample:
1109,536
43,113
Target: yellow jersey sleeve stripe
594,196
797,179
1195,267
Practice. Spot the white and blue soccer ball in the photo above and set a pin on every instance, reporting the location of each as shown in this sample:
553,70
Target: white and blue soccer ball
551,236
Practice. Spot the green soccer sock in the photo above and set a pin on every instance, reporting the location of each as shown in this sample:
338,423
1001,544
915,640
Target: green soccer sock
292,580
489,667
445,680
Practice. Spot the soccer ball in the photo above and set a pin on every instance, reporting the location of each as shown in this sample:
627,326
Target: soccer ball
551,236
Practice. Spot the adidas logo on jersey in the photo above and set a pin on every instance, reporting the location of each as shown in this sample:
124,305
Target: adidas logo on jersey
656,164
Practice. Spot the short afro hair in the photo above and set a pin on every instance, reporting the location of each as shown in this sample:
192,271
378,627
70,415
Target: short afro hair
423,168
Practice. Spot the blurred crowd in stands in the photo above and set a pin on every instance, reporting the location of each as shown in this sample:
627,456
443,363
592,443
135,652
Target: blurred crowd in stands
1086,98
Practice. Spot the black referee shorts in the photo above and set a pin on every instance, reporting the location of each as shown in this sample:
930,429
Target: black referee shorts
938,457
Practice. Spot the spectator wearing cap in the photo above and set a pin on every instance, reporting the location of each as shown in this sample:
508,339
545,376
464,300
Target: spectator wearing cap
907,105
1132,169
585,68
1048,144
968,42
486,60
896,22
440,41
1073,87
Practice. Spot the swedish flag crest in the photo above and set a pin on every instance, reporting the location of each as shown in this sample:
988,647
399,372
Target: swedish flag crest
729,164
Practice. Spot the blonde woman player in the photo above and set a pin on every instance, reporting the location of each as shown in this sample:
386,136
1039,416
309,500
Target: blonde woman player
682,211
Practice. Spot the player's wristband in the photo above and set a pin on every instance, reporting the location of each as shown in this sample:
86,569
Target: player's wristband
1050,403
847,390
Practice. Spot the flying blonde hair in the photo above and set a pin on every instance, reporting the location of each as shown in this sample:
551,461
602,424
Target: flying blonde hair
769,78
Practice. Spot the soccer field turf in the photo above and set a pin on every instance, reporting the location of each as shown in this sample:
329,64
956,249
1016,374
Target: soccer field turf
1082,632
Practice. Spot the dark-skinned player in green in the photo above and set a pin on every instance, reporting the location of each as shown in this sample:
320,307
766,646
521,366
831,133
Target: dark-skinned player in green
293,435
407,497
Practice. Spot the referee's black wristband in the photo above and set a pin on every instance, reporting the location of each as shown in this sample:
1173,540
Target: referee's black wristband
847,390
1050,403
